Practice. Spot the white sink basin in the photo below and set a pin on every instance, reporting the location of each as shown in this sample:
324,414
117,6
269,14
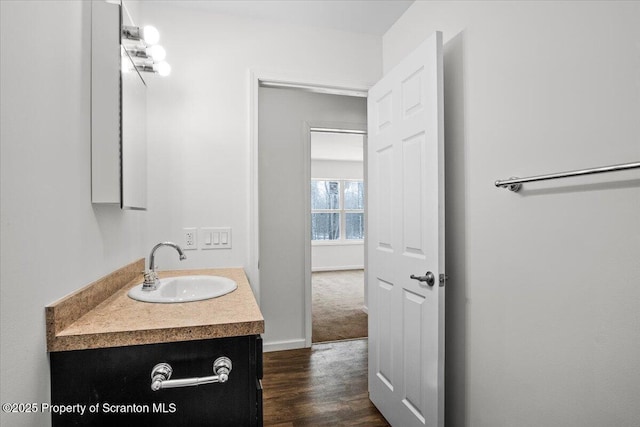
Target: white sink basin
185,289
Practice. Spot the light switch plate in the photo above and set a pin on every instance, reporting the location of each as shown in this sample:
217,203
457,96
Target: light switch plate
215,238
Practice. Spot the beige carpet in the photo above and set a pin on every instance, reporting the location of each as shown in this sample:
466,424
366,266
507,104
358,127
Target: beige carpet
338,298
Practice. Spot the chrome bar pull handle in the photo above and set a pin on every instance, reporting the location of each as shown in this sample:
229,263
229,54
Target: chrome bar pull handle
161,374
428,277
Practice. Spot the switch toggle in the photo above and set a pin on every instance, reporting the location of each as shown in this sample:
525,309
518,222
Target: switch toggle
216,237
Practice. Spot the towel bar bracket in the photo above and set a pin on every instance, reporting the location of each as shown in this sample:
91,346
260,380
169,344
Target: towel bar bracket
515,187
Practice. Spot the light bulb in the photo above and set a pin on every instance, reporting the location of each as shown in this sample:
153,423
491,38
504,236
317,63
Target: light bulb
157,52
150,35
162,68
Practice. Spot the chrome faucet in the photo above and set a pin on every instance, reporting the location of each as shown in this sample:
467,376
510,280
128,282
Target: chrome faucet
151,277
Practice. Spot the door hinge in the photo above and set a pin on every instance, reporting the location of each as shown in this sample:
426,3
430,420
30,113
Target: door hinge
443,279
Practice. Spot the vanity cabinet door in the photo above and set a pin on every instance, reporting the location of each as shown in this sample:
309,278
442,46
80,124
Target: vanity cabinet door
112,386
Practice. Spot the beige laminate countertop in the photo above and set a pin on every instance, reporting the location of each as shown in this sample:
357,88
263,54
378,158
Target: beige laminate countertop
121,321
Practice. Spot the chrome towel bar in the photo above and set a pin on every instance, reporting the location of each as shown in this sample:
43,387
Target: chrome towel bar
514,183
161,373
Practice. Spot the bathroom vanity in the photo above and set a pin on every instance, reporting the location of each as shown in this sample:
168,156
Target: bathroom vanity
104,345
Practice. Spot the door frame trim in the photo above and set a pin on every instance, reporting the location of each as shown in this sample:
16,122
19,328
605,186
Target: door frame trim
335,127
265,78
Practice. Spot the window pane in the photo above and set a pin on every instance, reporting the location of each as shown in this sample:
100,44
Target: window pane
325,195
355,226
353,195
325,226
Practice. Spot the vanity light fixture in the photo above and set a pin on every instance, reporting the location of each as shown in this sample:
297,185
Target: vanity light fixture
161,68
141,46
155,52
149,34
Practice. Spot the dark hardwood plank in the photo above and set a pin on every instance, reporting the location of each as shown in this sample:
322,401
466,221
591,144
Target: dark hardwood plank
322,386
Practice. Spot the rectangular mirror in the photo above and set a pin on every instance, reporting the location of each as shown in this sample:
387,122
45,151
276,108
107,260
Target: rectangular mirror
134,137
118,115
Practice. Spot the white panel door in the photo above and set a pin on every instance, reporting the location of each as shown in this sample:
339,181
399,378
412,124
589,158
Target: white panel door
405,238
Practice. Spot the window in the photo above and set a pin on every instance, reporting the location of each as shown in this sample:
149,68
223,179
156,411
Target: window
337,210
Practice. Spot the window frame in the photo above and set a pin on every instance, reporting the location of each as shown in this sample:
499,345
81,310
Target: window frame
342,241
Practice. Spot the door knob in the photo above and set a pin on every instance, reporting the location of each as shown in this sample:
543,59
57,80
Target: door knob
428,277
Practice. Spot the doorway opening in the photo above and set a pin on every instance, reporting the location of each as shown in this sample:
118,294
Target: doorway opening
337,218
280,258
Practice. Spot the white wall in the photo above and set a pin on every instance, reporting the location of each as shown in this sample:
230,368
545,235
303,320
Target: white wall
542,301
335,257
53,240
199,117
346,256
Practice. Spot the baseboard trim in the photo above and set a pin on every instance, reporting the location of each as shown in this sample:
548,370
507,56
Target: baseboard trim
283,345
340,268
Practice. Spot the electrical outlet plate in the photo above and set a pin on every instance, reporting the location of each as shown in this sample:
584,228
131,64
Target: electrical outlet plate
215,238
190,238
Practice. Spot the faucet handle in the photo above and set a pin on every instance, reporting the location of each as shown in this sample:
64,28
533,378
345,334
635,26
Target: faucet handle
150,277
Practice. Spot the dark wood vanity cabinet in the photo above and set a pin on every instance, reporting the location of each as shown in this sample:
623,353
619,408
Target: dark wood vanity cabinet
112,386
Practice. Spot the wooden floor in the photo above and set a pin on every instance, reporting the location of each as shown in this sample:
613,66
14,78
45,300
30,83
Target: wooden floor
322,386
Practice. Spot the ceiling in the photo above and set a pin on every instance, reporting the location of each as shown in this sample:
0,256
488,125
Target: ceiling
359,16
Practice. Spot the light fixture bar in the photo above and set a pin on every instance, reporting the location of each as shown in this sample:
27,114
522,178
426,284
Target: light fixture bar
161,68
131,33
146,49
